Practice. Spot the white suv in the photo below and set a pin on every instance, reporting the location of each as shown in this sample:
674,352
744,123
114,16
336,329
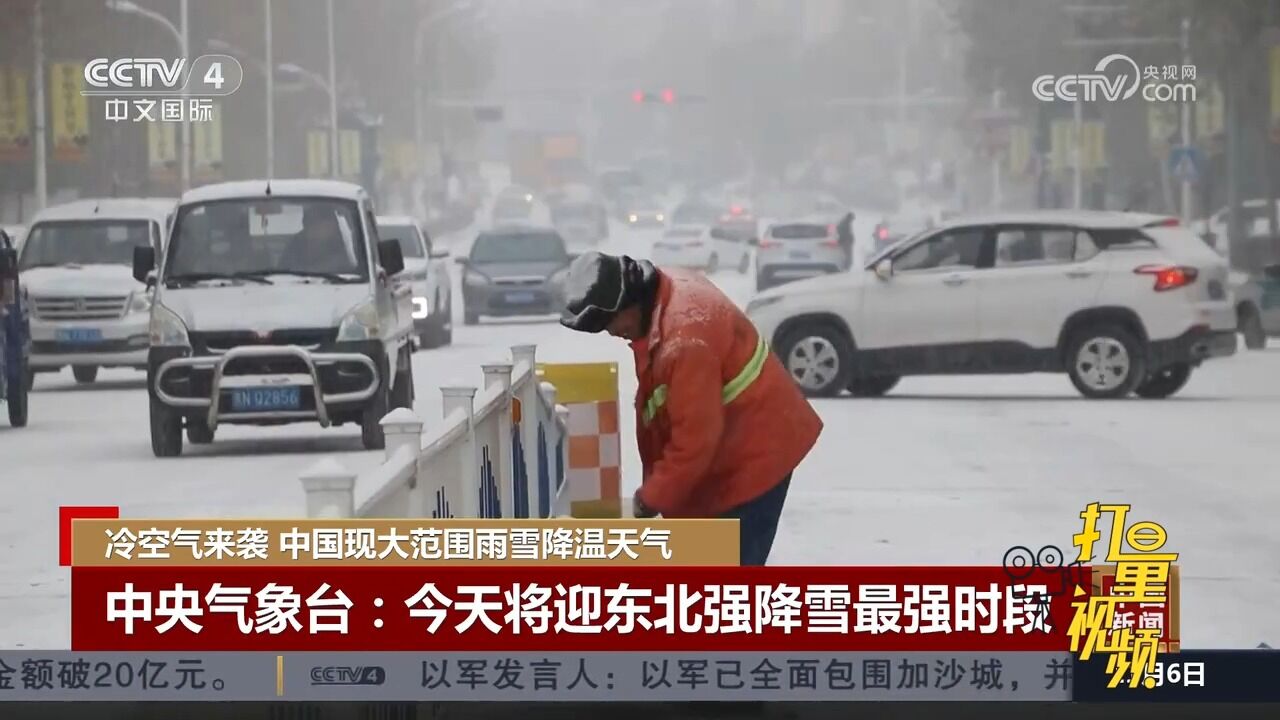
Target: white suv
1121,302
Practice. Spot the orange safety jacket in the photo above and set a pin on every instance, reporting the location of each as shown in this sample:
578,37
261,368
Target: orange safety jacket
719,421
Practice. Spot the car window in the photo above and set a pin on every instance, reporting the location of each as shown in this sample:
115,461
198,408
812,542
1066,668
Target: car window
268,236
800,232
84,242
957,248
1040,246
406,236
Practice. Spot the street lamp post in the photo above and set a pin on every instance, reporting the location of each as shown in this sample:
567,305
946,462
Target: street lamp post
419,100
271,95
333,97
41,149
182,36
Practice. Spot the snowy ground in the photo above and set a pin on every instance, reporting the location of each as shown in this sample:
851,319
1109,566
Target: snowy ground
943,471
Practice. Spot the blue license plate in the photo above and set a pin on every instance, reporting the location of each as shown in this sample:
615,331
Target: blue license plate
266,399
79,335
798,255
520,297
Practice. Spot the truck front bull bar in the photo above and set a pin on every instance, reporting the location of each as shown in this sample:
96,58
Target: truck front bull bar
310,359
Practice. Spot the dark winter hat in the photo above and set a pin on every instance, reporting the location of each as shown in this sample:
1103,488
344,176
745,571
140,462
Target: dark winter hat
595,291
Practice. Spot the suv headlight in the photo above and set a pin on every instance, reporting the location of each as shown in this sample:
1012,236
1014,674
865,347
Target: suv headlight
167,329
361,323
139,303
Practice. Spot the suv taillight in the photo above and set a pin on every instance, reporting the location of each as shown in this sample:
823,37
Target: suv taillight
833,237
1169,277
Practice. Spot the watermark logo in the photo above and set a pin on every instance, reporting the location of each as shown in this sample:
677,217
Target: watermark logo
348,675
161,89
1118,77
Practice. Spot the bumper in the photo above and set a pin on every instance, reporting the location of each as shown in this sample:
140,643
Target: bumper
119,343
497,300
333,384
1194,346
785,272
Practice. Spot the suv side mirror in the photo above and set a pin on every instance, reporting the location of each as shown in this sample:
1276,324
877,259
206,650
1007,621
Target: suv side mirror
391,255
884,269
1272,271
144,261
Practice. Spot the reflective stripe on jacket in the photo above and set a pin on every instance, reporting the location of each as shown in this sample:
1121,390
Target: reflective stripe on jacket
719,421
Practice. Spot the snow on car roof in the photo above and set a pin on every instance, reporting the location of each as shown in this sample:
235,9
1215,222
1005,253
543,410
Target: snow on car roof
1078,218
283,188
109,209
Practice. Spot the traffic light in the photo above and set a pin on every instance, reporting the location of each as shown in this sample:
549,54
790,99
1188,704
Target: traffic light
668,96
639,96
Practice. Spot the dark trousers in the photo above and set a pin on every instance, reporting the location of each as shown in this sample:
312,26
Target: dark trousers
758,523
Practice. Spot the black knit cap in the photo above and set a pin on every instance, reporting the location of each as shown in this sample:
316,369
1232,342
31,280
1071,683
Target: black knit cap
599,286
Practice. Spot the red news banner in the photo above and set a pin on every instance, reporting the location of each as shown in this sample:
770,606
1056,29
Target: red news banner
566,608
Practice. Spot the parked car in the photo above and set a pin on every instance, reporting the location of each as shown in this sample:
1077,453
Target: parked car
1257,298
796,250
738,223
427,272
276,302
510,271
15,335
686,246
1122,303
87,310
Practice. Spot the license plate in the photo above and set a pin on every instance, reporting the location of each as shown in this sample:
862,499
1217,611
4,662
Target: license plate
266,399
520,297
799,255
79,335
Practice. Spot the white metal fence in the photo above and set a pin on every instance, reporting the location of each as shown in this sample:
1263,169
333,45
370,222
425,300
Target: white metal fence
500,452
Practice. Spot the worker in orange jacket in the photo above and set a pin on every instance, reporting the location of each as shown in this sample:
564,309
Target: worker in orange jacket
720,424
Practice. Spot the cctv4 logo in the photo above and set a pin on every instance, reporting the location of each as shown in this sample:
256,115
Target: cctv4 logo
348,675
145,73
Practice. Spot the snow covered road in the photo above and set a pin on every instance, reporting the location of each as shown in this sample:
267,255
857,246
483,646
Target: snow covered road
943,471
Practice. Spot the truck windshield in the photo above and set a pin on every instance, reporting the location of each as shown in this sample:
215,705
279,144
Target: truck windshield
518,248
84,242
258,237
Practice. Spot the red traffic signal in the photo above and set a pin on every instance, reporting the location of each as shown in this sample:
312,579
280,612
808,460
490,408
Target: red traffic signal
639,96
668,96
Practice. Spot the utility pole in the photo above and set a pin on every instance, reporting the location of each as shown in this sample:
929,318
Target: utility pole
41,150
271,95
1185,41
184,29
333,98
1077,154
997,190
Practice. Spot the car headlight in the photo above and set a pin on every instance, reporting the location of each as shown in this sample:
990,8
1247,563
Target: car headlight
633,217
761,303
139,303
361,323
474,278
167,329
660,217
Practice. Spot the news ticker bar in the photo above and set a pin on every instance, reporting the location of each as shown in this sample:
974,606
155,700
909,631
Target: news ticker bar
1244,676
59,676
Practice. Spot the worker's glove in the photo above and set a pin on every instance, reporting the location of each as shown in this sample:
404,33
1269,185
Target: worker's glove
640,510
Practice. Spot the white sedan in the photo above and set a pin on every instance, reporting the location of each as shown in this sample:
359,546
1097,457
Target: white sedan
703,248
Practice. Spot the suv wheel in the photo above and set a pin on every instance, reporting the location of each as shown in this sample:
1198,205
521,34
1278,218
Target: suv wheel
371,433
402,391
872,386
166,430
1105,361
1250,324
85,374
1165,382
817,356
198,431
18,400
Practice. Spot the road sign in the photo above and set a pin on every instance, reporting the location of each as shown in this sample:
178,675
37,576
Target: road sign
1184,163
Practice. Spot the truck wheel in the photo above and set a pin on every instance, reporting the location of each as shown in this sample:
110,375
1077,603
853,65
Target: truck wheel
166,430
402,391
1106,361
198,431
18,402
1249,323
85,374
1165,382
29,378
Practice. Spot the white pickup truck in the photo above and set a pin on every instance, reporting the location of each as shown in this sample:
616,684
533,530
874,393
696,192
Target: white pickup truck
276,302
